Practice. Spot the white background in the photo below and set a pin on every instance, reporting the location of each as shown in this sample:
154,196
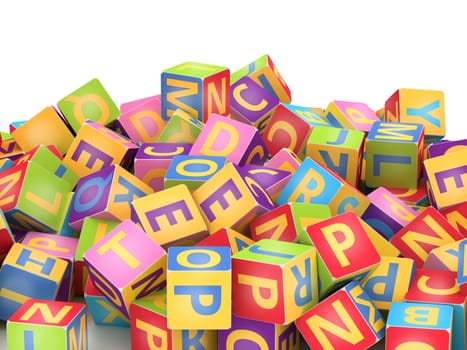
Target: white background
347,50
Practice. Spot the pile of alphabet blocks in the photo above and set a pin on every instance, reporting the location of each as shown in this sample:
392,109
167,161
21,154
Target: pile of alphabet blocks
218,215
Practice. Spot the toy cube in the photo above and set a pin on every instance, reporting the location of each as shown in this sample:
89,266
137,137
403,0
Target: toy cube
89,102
226,237
170,217
240,143
313,183
96,147
106,194
457,217
9,148
394,155
197,88
274,281
45,128
289,127
351,115
51,159
339,242
91,232
427,231
264,72
149,328
229,200
272,180
251,104
445,257
440,287
444,176
103,312
443,147
412,196
33,198
251,334
191,170
48,325
181,128
61,247
340,150
288,221
419,326
424,107
196,275
6,237
390,281
387,214
141,120
285,160
347,319
126,264
152,161
28,273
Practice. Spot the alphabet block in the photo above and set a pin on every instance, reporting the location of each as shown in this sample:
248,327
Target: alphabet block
387,214
443,147
445,257
274,281
412,196
226,237
9,149
285,160
192,170
390,281
445,176
351,115
152,161
126,264
313,183
265,73
6,237
287,222
61,247
440,287
424,107
419,326
103,312
149,327
51,325
141,120
338,149
347,319
33,198
170,217
289,127
457,217
96,147
427,231
339,242
194,275
181,128
252,104
89,102
252,334
197,88
394,155
106,194
240,143
28,273
229,200
45,128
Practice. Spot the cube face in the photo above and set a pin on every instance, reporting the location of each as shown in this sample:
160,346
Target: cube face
394,152
194,274
285,160
89,102
181,128
445,257
274,281
46,128
457,217
351,115
9,148
197,88
419,325
444,147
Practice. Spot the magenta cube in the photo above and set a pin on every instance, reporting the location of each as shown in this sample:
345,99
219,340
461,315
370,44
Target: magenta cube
153,159
358,116
61,247
240,143
126,264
